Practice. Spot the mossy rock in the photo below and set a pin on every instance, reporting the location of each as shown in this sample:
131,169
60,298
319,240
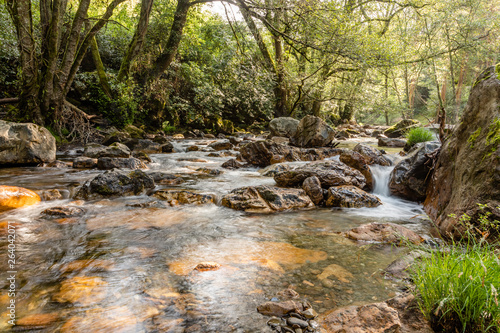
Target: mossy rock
135,132
401,128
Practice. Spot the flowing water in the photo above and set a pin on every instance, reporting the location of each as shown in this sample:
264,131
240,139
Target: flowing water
123,268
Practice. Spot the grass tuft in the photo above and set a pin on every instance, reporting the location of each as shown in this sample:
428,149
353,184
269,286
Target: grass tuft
419,134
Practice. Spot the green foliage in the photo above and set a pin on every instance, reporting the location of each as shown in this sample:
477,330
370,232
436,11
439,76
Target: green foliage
419,134
457,285
472,138
167,128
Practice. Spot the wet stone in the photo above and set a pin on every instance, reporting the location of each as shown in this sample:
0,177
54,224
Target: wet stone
292,321
63,211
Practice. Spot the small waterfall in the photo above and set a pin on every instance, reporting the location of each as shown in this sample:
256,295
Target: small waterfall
381,177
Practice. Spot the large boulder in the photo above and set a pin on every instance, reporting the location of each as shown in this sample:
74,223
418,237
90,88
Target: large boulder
284,127
313,132
266,199
16,197
401,128
265,153
114,183
467,171
410,177
359,162
349,196
372,155
330,173
23,143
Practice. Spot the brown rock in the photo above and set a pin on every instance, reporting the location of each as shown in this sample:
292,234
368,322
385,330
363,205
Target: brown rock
193,148
385,233
372,154
467,171
108,163
329,173
16,197
83,290
312,186
207,266
357,161
384,141
183,197
349,196
266,199
313,132
279,309
39,320
59,164
232,164
83,162
68,211
221,145
50,195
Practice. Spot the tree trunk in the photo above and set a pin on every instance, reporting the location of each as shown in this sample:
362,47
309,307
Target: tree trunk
137,41
103,80
166,58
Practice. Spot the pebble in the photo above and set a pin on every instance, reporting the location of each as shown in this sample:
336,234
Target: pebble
292,321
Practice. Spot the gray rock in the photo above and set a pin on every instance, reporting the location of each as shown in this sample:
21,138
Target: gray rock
108,163
284,127
401,128
410,177
349,196
23,143
312,186
313,132
384,141
372,155
116,149
84,162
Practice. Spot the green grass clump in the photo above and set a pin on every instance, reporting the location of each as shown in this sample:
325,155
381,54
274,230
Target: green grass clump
458,285
418,134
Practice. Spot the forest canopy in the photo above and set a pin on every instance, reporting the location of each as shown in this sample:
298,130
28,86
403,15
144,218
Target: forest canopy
165,64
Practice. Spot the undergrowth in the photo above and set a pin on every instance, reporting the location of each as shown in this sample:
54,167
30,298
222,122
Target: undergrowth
419,134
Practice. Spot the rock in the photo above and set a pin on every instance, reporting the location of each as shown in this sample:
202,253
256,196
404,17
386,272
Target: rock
263,153
144,145
207,266
180,136
210,172
372,155
342,274
384,141
108,163
82,290
412,320
371,318
342,135
67,211
313,132
209,136
142,156
58,164
115,137
410,177
232,164
25,144
114,183
398,269
280,140
183,197
38,320
273,169
264,199
384,233
296,321
160,139
221,145
288,294
50,195
279,309
12,197
329,173
284,127
165,178
401,128
83,162
116,149
349,196
312,186
357,161
134,131
193,148
467,171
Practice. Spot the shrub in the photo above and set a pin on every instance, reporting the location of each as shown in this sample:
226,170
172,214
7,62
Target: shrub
167,128
419,134
458,285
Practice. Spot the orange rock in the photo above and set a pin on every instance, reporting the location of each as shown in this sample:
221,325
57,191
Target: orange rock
87,265
114,319
40,319
138,219
207,266
82,289
16,197
237,251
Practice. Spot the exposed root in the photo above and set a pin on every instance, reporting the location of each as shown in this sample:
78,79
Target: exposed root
77,122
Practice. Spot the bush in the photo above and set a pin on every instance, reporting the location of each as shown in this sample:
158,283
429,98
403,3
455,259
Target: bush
419,134
458,285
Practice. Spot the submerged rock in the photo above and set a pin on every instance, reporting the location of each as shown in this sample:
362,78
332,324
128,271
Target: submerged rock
183,197
410,177
467,171
114,183
349,196
283,127
279,309
372,155
24,143
12,197
384,233
50,195
232,164
265,199
384,141
401,128
313,132
82,290
221,145
329,173
68,211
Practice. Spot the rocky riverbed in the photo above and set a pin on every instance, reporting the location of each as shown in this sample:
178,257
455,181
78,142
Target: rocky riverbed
157,250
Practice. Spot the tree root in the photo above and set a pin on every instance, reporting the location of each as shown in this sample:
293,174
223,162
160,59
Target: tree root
77,123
